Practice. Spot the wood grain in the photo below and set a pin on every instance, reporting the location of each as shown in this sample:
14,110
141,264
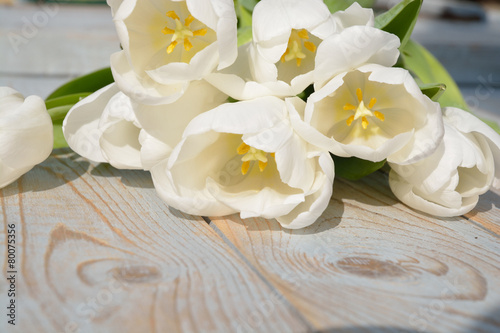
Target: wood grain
487,212
372,264
98,251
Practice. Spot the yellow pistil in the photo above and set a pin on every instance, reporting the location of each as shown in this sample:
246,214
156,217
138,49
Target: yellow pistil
297,41
361,111
182,32
252,154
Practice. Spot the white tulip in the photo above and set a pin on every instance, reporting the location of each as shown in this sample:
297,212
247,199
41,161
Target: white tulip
26,134
102,128
465,165
374,113
109,127
286,34
245,157
167,43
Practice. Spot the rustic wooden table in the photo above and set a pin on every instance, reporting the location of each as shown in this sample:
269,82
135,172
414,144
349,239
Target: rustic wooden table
98,251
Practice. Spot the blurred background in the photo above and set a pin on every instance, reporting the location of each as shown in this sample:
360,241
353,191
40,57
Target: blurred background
43,44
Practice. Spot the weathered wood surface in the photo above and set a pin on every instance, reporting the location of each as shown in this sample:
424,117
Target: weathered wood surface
371,263
98,251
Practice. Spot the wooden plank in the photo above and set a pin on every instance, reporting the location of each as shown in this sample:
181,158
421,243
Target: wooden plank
98,251
41,86
56,39
487,212
372,264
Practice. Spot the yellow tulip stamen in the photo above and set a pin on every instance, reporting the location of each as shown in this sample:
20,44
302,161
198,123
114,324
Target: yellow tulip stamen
364,122
349,107
379,115
173,15
188,20
171,47
201,32
187,44
296,43
310,46
182,32
350,120
359,93
252,154
168,31
245,166
303,34
361,111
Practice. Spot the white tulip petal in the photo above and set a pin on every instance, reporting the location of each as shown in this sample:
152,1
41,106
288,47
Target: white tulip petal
241,117
120,145
404,192
143,89
316,201
119,140
26,134
81,125
114,4
166,123
9,175
273,21
203,63
153,151
353,48
468,123
354,15
188,199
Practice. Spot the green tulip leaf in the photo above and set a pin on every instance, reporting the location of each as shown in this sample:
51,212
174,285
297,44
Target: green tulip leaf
59,141
433,90
428,70
57,114
87,83
338,5
65,100
248,4
400,19
244,35
353,168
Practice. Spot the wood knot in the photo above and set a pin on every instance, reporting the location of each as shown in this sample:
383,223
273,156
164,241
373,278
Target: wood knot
370,268
136,273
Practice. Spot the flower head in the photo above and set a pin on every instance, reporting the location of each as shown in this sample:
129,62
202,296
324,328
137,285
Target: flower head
26,135
286,35
166,44
245,157
374,113
449,182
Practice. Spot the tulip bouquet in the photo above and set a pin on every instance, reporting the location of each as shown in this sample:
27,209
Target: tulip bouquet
253,107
